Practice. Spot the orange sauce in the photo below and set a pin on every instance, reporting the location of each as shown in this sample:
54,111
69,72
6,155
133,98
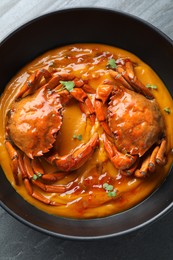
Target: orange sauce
88,198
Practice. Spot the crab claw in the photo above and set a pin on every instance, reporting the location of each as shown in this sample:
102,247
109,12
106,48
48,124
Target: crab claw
33,82
77,157
130,77
120,161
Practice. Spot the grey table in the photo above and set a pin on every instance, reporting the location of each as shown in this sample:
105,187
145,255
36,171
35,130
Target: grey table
18,241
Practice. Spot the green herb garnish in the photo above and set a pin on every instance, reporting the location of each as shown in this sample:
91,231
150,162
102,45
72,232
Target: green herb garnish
79,137
112,193
109,189
39,175
111,64
69,85
167,110
151,86
105,185
34,177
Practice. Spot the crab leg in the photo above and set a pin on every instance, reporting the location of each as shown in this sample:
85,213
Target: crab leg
53,82
53,177
129,69
37,195
160,157
17,162
129,75
120,79
14,160
84,103
102,94
79,94
121,161
33,82
131,170
56,78
36,166
77,157
79,83
152,161
46,177
149,163
28,186
87,108
88,89
64,94
22,168
139,87
47,188
142,172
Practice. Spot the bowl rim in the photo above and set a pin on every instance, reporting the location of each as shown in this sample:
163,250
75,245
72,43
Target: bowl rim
129,230
89,238
85,8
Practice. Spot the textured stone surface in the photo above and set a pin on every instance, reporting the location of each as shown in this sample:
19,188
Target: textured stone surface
18,241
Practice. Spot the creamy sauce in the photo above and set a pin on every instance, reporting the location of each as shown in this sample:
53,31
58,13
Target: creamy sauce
87,198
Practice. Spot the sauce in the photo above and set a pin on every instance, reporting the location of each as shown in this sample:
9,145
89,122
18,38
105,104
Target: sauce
88,196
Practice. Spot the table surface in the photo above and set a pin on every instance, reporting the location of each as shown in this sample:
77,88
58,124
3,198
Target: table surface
18,241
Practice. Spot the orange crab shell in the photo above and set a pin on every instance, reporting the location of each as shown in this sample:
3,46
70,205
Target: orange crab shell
36,133
136,121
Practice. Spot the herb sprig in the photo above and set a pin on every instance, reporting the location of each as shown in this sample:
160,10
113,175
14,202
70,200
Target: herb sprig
109,189
151,86
36,176
111,64
167,110
79,137
69,85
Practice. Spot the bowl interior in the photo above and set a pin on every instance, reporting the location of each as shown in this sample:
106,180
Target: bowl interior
107,27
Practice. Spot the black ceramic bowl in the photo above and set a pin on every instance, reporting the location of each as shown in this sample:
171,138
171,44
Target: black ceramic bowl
92,25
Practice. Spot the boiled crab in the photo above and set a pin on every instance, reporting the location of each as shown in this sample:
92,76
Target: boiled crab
132,122
32,126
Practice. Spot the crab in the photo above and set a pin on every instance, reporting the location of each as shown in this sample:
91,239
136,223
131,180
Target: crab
134,130
32,126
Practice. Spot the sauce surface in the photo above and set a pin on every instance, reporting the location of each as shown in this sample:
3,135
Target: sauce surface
88,197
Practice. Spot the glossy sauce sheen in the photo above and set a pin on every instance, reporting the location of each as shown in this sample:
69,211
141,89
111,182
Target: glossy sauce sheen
88,198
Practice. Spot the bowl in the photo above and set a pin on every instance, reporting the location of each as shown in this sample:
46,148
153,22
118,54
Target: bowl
73,26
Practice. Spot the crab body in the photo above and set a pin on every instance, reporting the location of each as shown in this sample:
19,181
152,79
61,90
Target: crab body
135,121
132,122
32,127
34,122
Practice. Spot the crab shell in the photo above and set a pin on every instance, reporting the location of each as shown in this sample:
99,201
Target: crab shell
35,133
135,121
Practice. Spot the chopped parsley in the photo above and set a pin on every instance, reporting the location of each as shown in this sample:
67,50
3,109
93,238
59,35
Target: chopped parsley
109,189
111,64
112,193
167,110
39,175
36,176
69,85
79,137
151,86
